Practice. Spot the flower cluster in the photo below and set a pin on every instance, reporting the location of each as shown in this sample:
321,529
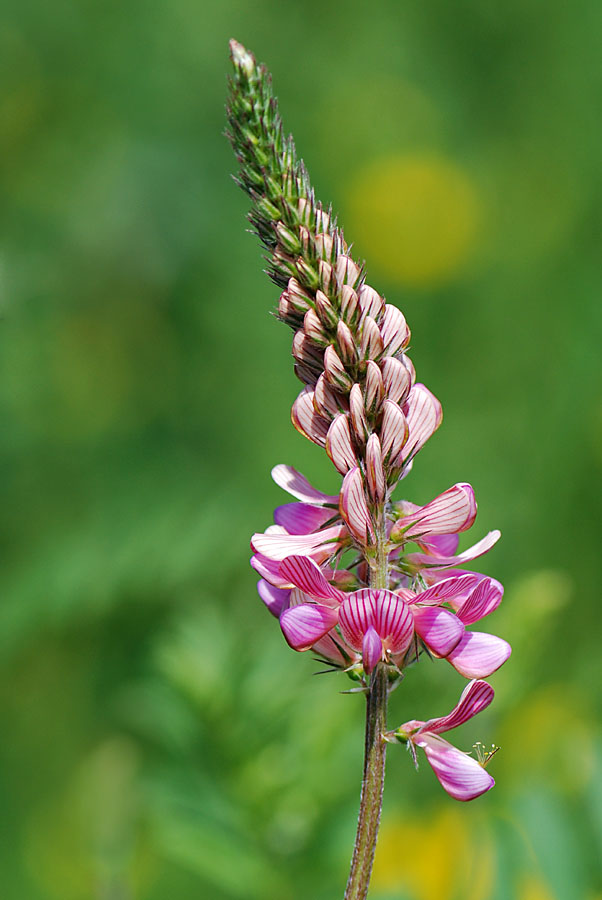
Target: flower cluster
404,593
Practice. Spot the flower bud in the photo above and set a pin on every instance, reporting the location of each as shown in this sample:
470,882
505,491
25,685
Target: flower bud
393,432
297,296
325,272
354,508
335,372
347,272
371,303
339,446
375,475
346,345
371,343
307,352
306,420
307,275
314,329
324,244
304,238
394,330
287,312
357,415
350,308
305,374
325,311
405,359
325,401
374,390
396,379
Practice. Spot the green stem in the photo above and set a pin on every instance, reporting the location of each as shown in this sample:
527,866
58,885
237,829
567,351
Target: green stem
373,780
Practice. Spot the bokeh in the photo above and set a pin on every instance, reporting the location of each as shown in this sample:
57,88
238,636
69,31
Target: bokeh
159,739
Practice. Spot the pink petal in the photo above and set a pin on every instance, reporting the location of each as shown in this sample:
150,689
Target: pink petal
475,697
303,625
486,597
298,486
306,575
357,413
448,590
325,401
338,444
372,650
394,330
382,610
306,420
440,630
371,343
424,415
320,546
479,654
302,518
375,474
459,774
329,649
269,569
373,387
424,560
453,511
354,508
276,599
371,303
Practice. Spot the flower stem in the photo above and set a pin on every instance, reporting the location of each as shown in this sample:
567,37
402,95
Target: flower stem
375,748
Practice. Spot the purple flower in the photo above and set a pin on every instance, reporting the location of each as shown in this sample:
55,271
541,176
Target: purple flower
462,776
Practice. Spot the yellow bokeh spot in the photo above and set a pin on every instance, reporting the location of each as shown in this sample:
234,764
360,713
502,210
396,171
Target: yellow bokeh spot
532,888
415,217
434,859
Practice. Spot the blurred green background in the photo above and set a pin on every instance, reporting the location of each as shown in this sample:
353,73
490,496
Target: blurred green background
159,739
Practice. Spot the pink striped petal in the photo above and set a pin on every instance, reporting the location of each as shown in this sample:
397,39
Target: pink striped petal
269,569
298,486
354,508
276,599
325,401
393,432
372,650
339,446
424,415
347,272
380,609
479,654
486,597
394,330
357,414
448,591
373,387
335,371
459,774
475,697
440,630
303,625
453,511
396,379
302,518
371,303
320,546
424,560
306,575
371,342
306,420
330,649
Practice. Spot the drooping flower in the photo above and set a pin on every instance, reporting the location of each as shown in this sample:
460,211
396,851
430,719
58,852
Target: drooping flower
462,776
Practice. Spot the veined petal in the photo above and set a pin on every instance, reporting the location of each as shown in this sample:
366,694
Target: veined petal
380,609
320,546
393,432
426,560
302,518
440,630
269,569
479,654
486,597
304,625
424,414
394,330
338,444
453,511
306,575
329,649
397,380
449,591
375,474
306,420
354,508
276,599
475,697
459,774
297,485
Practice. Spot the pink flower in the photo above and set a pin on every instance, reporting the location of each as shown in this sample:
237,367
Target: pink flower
462,776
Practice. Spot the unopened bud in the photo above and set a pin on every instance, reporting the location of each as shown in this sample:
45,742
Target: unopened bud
346,344
375,475
325,311
306,274
393,432
357,414
324,244
325,271
305,374
241,57
289,241
267,209
374,388
297,296
350,308
394,330
325,401
396,379
335,372
307,352
347,271
371,343
304,238
287,312
314,329
371,303
339,446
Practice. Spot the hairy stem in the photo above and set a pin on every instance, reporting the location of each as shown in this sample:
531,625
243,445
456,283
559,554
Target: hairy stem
373,780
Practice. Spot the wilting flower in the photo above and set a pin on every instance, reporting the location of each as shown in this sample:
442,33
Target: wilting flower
462,776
